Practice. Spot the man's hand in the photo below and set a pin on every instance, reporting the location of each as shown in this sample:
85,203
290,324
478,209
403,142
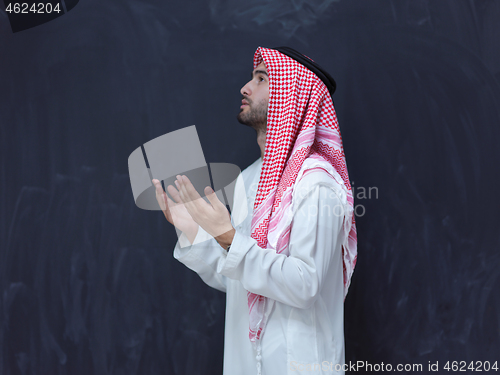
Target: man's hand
214,218
175,211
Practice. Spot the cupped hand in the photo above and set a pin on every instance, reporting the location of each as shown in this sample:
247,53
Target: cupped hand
213,217
175,210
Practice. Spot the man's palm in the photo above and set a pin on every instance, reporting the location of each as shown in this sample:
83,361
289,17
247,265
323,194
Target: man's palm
174,210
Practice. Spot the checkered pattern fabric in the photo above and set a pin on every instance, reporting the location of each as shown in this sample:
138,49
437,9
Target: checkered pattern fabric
301,125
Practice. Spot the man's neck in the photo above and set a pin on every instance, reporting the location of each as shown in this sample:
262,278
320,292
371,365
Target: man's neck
261,141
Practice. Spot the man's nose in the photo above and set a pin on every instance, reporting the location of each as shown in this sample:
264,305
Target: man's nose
245,90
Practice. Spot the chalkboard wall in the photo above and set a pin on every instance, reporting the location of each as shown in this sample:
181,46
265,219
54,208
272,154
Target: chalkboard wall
88,281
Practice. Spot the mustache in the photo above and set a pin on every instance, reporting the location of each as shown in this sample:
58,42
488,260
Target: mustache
249,101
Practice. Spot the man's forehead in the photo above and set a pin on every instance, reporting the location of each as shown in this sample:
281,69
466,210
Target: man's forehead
261,66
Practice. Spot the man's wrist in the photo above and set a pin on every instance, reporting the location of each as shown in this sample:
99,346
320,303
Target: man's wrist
191,235
226,239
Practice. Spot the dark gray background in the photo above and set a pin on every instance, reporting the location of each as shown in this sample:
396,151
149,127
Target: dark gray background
88,282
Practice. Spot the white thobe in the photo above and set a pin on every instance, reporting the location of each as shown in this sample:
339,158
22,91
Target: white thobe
305,328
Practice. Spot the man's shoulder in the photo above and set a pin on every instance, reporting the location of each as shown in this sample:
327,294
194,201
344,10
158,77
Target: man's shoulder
318,171
321,174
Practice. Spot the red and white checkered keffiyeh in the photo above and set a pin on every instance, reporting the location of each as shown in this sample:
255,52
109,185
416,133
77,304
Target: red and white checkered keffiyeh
302,128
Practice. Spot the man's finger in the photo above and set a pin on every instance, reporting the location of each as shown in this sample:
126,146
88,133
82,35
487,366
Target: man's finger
159,194
183,192
184,198
174,194
168,203
189,190
157,185
212,197
190,196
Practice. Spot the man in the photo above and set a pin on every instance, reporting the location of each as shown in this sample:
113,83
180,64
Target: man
286,267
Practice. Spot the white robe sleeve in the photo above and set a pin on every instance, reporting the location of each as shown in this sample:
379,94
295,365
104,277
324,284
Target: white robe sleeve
202,257
297,279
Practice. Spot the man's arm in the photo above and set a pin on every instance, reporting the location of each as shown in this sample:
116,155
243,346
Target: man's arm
202,256
191,233
297,279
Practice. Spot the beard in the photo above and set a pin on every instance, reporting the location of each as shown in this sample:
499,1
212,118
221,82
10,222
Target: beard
255,116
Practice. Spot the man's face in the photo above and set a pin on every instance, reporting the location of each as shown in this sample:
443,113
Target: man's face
253,110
